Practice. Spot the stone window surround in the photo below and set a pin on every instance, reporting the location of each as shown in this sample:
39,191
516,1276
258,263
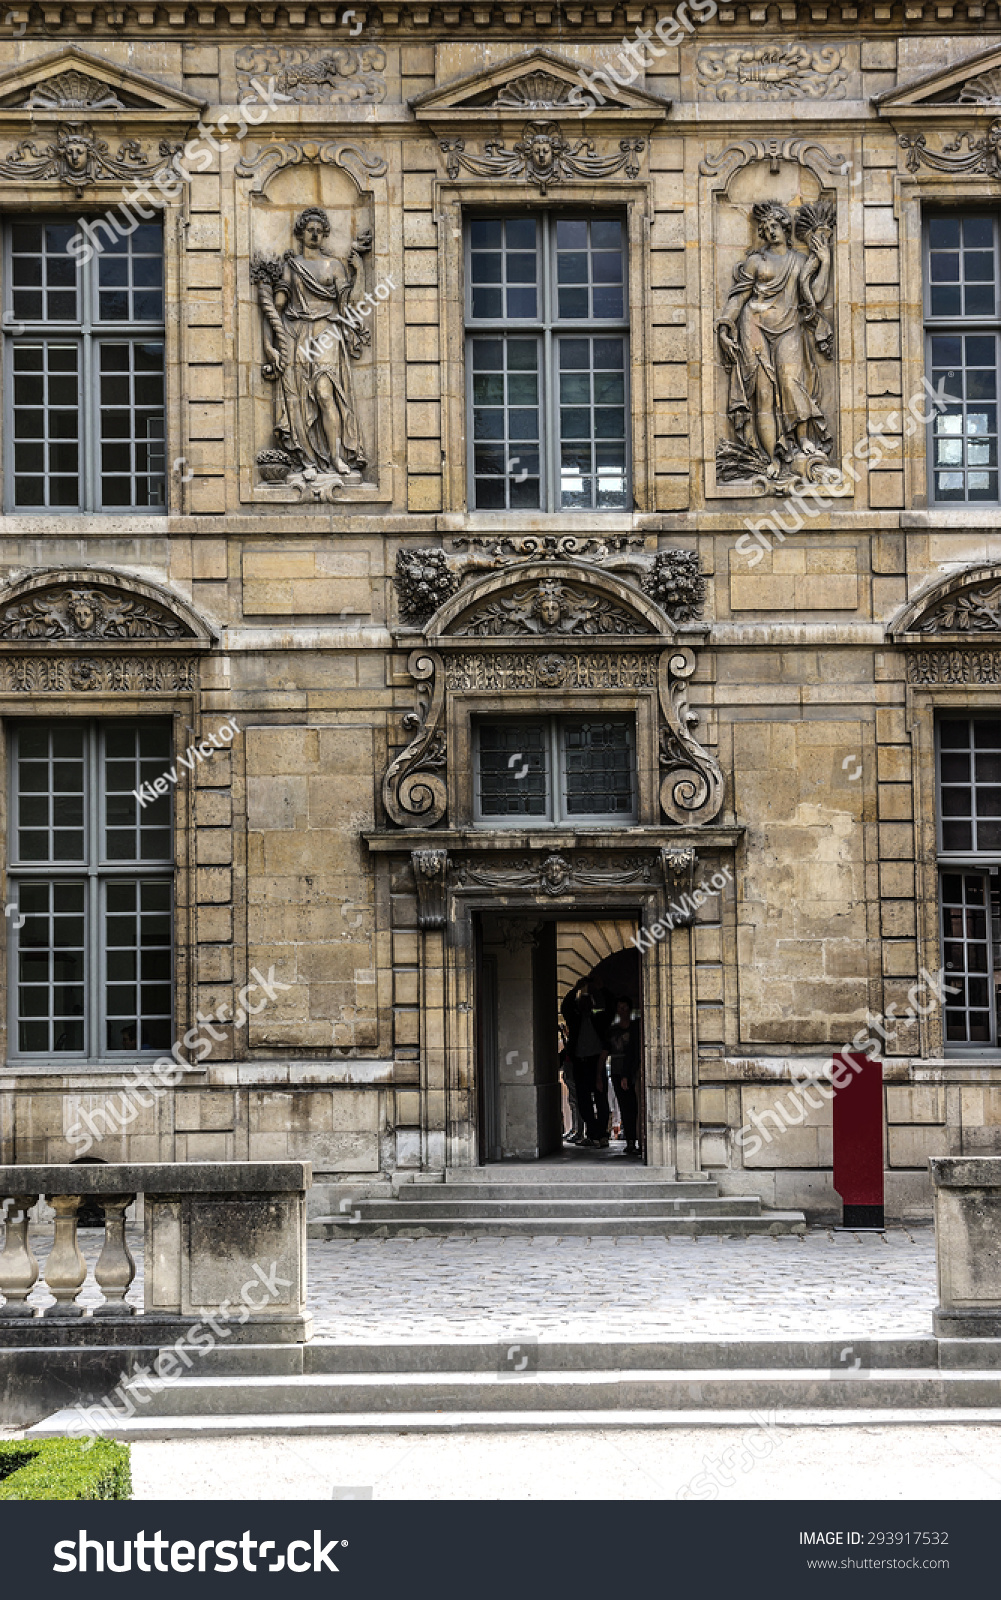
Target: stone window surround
452,201
30,199
914,196
186,710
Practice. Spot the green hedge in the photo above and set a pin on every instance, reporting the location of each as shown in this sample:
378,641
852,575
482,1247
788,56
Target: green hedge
64,1469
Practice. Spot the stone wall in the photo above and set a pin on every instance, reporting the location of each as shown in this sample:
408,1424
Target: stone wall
366,1061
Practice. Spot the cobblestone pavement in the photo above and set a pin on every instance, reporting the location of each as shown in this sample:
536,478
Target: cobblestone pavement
823,1285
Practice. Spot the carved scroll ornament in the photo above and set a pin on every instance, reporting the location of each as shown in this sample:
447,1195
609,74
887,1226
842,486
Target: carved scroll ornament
692,788
413,790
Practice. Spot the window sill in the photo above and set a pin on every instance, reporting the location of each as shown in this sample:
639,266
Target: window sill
390,841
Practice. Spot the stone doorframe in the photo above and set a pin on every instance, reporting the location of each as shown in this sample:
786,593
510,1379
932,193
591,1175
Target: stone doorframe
455,875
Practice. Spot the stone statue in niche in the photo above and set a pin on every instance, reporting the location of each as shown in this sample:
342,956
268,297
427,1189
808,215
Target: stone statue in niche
771,334
312,335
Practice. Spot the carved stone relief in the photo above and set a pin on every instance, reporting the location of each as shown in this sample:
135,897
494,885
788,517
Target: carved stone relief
77,156
976,667
772,72
359,164
557,874
349,74
430,869
586,669
73,91
120,674
312,334
981,155
536,91
541,156
548,607
974,610
426,578
414,789
84,614
772,337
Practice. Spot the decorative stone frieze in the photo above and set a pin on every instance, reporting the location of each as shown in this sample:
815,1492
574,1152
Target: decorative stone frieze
542,156
78,156
773,72
348,75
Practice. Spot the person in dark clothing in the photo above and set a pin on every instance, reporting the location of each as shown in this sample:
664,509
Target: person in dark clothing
624,1044
587,1019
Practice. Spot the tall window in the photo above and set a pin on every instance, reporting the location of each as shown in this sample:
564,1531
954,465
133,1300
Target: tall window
89,871
969,762
963,320
84,371
555,769
547,363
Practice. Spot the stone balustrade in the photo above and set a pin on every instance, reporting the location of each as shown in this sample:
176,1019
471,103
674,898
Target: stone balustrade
221,1239
968,1246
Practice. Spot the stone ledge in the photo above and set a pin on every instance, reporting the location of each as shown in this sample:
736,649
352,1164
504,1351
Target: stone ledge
160,1177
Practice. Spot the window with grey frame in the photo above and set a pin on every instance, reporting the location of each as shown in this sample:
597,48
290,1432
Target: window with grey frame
969,843
84,369
547,362
537,771
962,327
90,872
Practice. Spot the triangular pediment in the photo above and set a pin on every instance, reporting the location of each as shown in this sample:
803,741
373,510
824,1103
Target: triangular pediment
537,81
971,85
72,83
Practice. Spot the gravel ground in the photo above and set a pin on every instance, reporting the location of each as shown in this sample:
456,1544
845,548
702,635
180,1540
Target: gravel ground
947,1462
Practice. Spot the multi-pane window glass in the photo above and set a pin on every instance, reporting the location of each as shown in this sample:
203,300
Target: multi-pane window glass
85,410
969,805
963,309
555,769
971,957
90,872
547,362
970,784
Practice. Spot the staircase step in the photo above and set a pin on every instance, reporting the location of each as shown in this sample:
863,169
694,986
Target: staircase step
556,1194
615,1394
426,1209
291,1425
657,1224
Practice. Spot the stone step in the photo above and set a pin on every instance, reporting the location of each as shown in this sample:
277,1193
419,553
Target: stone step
553,1194
615,1393
597,1166
636,1207
298,1424
679,1355
659,1223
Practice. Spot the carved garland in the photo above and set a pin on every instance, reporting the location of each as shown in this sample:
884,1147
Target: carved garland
77,156
541,156
982,155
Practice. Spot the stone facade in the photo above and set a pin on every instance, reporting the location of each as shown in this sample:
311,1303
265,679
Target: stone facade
771,622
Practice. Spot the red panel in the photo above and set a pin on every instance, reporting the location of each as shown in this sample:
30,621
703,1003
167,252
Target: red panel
858,1131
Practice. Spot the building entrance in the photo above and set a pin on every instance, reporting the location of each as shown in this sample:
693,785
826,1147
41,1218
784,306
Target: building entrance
530,1109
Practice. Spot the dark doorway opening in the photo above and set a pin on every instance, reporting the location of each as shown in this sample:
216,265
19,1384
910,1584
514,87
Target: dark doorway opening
527,964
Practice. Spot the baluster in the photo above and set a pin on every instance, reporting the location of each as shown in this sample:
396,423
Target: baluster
18,1267
116,1267
65,1270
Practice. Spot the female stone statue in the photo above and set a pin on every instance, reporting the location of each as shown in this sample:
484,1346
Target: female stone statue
311,336
769,333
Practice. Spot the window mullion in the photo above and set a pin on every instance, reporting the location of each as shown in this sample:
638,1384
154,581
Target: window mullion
93,959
